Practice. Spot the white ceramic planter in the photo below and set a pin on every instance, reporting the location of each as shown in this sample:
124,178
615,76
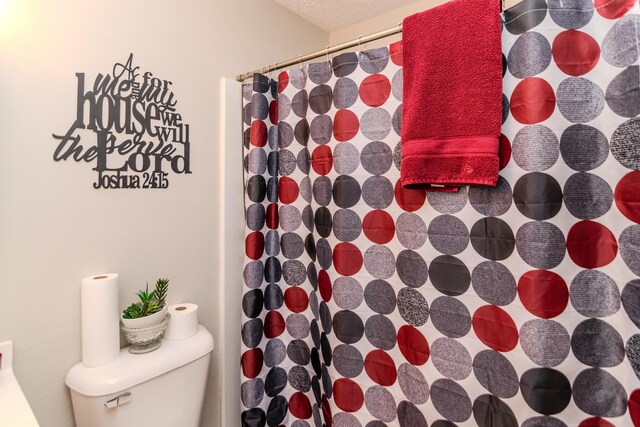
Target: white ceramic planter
147,321
144,340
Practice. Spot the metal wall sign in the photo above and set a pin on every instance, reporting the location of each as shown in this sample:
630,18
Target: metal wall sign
127,125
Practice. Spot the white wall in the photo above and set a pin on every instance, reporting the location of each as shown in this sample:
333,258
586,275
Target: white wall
231,247
55,228
381,22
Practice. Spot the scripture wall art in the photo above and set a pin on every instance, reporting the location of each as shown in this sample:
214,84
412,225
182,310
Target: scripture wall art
128,127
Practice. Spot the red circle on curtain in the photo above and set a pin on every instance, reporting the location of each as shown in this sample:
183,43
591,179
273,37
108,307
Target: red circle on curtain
544,293
504,151
273,324
273,112
272,216
251,362
345,125
296,299
591,244
379,227
532,101
324,284
322,160
495,328
347,395
375,90
300,406
326,411
380,368
627,196
413,345
288,190
254,245
347,259
409,200
283,81
634,407
613,9
395,50
595,422
258,135
575,52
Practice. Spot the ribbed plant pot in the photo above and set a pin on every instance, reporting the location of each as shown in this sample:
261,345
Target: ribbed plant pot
147,321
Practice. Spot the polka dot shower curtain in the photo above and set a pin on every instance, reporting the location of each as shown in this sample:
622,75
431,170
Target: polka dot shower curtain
367,305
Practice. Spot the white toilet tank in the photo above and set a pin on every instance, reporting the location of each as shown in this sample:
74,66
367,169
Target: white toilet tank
164,388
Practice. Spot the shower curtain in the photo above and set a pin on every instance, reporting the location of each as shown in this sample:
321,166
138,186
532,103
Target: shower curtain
366,304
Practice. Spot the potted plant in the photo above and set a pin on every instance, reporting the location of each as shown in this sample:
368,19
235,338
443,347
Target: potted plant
150,308
144,321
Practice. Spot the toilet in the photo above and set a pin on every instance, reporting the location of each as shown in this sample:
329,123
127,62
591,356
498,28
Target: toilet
164,388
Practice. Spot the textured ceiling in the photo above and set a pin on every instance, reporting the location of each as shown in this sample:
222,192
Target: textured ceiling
331,15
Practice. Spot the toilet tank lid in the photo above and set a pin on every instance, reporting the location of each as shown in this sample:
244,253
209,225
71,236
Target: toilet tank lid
129,370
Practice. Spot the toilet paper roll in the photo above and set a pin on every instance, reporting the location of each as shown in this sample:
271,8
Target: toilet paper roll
100,319
183,322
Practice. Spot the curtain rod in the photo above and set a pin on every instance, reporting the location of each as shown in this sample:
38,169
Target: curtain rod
328,51
331,49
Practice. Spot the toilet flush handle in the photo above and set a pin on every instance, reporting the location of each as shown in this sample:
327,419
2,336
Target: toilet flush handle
118,400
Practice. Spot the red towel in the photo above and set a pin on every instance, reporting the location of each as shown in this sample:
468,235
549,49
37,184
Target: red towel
452,95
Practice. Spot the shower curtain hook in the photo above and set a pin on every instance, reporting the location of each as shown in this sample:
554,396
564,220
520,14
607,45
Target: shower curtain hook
359,46
300,60
327,52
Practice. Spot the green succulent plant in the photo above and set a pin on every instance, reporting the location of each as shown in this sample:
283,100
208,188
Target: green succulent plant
162,286
148,302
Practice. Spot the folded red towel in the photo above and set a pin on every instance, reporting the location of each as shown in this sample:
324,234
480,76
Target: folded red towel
452,95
